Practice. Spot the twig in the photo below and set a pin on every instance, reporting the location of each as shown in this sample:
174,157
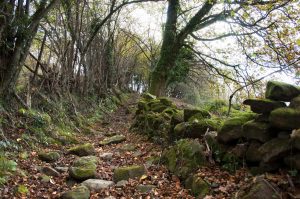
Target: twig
210,159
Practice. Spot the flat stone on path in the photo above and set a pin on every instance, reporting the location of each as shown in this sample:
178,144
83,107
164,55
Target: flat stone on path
124,173
106,156
49,156
82,150
49,171
113,140
81,192
97,184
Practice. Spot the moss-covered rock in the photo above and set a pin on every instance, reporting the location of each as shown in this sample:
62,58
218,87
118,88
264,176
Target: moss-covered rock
83,168
285,118
281,91
145,188
258,131
184,157
195,129
261,189
82,150
49,156
295,137
197,186
263,105
166,101
81,192
113,140
143,105
127,172
295,103
198,113
232,128
252,154
275,149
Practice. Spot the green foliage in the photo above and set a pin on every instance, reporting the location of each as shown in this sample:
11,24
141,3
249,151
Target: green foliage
7,167
22,189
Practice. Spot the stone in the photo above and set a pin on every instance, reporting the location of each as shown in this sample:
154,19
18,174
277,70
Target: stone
293,161
261,189
275,149
194,112
284,134
195,129
262,117
106,156
232,128
128,147
121,183
258,131
97,185
295,103
49,171
239,150
145,188
83,168
252,154
113,140
285,118
166,101
185,157
80,192
197,185
62,169
127,172
49,157
263,105
295,137
82,150
176,119
281,91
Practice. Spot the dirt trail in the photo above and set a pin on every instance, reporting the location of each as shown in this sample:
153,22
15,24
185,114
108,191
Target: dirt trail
167,186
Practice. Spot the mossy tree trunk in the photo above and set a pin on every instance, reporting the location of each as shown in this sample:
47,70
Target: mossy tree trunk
173,41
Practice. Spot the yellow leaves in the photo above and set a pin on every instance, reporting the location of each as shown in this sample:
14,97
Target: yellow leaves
298,42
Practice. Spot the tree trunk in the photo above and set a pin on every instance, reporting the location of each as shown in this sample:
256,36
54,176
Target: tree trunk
169,52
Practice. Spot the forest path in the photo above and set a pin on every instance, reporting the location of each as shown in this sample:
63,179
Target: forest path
118,122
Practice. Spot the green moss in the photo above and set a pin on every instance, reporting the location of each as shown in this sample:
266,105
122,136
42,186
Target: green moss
263,105
184,157
49,156
197,186
113,140
81,192
124,173
82,150
83,168
148,96
285,118
258,131
166,101
281,91
190,112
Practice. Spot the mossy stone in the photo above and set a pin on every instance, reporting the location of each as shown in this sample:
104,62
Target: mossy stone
49,156
263,105
232,128
275,149
295,103
113,140
258,131
293,161
184,157
82,150
261,190
281,91
252,154
197,186
83,168
81,192
127,172
148,96
190,112
285,118
143,105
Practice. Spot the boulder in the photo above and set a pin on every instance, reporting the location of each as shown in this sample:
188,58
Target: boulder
97,185
197,186
295,103
81,192
262,117
261,189
196,113
83,168
127,172
295,137
195,129
257,131
285,118
176,118
263,105
184,157
82,150
293,161
113,140
274,149
49,156
232,128
281,91
148,96
106,156
252,154
49,171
